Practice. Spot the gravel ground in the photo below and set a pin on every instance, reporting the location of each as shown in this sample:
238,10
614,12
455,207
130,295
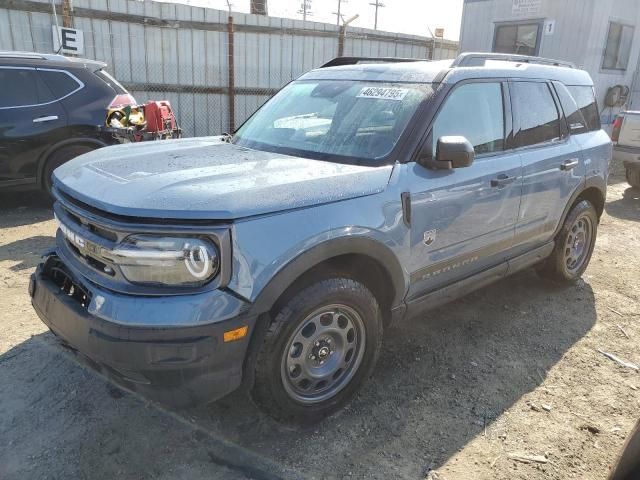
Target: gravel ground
511,370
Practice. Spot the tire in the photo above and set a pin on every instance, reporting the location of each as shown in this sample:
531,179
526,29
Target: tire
59,157
574,245
333,328
633,177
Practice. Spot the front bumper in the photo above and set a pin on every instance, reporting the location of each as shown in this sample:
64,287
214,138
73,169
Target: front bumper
179,366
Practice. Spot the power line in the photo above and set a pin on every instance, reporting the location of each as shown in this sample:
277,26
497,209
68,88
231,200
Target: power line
377,4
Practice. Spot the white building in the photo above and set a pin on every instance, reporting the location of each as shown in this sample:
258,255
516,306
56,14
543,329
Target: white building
601,36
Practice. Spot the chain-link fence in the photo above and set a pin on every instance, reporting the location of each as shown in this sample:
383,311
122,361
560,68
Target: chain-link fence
214,70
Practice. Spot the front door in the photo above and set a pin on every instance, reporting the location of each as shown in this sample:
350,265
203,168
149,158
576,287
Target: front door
463,220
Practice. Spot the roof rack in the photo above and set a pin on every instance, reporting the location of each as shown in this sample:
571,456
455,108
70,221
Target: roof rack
30,55
474,59
339,61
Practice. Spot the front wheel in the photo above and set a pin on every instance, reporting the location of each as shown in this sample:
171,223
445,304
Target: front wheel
574,244
317,352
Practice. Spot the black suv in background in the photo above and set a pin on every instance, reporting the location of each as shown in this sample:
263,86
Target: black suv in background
51,110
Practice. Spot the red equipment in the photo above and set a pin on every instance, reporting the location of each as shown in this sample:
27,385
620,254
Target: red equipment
139,123
159,116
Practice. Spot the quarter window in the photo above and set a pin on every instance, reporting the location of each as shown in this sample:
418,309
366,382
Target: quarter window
522,38
536,109
575,120
618,47
474,111
586,101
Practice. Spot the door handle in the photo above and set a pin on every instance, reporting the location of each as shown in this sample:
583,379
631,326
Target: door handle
502,180
569,164
47,118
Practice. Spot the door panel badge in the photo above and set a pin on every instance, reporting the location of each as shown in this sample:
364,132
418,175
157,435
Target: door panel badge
429,237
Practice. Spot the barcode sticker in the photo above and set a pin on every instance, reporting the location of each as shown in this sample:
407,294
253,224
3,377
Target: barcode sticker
386,93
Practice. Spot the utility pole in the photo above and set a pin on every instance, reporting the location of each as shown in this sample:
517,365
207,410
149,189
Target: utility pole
305,9
377,4
338,14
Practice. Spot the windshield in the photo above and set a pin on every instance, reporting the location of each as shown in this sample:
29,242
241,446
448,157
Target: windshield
334,119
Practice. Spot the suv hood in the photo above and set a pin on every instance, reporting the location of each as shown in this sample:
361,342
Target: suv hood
206,178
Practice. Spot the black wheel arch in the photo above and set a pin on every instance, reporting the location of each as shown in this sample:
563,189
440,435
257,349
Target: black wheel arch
337,255
594,189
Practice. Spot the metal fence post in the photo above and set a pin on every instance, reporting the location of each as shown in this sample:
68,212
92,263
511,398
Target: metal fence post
231,79
341,35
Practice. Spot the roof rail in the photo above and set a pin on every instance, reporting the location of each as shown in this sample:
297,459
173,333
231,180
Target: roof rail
475,59
31,55
338,61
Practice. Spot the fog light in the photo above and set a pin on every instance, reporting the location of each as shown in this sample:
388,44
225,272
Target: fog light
236,334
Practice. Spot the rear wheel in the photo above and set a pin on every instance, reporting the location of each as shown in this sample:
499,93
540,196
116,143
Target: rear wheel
59,157
574,244
317,352
633,177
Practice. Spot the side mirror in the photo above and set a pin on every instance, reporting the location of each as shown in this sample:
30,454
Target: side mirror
451,152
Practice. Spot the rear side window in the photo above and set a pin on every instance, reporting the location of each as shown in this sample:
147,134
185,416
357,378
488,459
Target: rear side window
21,87
575,120
59,83
474,111
586,101
536,109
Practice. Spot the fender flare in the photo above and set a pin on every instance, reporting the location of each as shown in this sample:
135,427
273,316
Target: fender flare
593,181
327,250
42,161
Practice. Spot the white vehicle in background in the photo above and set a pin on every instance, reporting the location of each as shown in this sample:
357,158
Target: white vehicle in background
626,148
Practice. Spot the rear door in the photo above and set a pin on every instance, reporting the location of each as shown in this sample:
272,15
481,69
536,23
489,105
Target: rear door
30,120
463,220
552,163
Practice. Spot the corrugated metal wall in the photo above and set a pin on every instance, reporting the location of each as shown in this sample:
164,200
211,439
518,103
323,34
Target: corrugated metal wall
579,35
180,53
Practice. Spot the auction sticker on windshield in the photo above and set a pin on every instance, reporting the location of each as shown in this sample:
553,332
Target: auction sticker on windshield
387,93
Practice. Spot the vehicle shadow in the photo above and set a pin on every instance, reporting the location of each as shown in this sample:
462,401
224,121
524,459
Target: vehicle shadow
442,380
27,251
19,208
627,207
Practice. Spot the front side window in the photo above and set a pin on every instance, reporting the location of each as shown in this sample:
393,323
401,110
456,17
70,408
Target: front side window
337,120
475,112
618,46
521,38
538,116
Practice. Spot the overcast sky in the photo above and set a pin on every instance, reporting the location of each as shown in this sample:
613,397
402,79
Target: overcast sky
407,16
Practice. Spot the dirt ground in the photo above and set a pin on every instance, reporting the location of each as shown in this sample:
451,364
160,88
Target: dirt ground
512,369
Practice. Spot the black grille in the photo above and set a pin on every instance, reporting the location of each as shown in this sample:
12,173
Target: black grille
55,270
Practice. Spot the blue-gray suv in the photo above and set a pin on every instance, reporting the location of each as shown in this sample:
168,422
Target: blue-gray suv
365,191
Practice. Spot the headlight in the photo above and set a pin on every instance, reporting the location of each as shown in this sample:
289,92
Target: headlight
172,261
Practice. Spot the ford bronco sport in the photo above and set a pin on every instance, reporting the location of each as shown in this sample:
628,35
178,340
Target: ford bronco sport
365,191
